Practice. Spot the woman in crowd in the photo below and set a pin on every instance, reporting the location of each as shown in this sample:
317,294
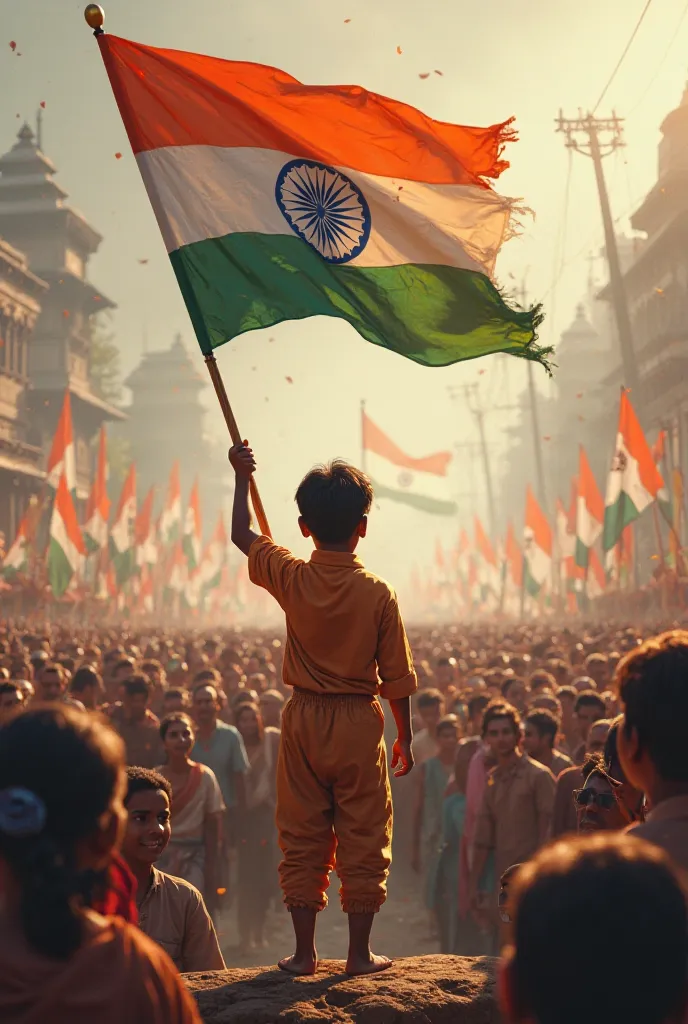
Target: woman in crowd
197,808
61,818
256,831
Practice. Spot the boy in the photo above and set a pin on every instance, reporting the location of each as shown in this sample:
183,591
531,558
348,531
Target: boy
345,644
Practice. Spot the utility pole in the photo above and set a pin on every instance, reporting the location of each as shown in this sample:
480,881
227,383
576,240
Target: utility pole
535,423
611,131
471,394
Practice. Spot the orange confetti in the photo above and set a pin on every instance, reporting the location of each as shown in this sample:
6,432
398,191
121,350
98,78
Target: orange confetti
65,313
581,419
289,380
424,74
579,395
96,298
13,45
43,104
546,438
118,156
221,892
347,20
399,50
480,373
659,291
440,73
143,262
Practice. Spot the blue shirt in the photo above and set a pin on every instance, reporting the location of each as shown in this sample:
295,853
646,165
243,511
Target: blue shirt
225,754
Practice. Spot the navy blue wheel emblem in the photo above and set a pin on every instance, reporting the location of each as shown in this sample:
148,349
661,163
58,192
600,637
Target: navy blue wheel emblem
325,208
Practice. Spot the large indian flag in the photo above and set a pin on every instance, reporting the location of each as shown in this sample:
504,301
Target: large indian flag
66,549
422,483
634,481
279,201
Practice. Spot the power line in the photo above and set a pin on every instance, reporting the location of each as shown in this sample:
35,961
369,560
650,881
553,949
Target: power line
659,67
622,58
559,249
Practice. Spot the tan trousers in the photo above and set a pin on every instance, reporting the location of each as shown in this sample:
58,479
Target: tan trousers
334,805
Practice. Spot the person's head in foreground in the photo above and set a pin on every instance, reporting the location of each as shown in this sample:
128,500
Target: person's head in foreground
599,935
147,801
653,735
61,817
333,502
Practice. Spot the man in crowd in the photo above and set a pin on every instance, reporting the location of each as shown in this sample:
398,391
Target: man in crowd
11,698
429,706
564,815
516,812
87,687
51,685
171,911
652,739
136,723
599,935
588,709
219,747
541,728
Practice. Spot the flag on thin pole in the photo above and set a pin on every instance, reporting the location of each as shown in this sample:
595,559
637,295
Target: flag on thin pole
66,548
171,518
514,557
193,531
589,511
537,547
422,483
146,534
98,508
634,480
597,578
664,499
278,201
16,561
61,459
122,542
214,557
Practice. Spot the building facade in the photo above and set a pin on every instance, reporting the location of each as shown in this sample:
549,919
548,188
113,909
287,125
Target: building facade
58,243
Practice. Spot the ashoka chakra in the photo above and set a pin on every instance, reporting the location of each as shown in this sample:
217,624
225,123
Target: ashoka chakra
325,208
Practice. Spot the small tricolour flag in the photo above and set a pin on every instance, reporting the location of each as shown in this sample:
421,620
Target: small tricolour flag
279,201
488,568
597,578
62,459
98,508
422,483
171,517
146,533
122,539
192,537
214,558
537,547
589,511
634,480
66,549
16,561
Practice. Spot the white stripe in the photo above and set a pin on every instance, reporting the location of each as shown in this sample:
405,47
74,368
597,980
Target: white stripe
386,474
626,479
202,192
58,533
588,529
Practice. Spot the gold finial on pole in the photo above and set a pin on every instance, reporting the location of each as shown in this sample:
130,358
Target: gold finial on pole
95,16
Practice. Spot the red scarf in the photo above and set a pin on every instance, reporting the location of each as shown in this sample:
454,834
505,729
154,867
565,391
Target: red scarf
120,894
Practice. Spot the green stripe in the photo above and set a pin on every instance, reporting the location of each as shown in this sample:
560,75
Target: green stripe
581,554
123,562
60,569
418,501
531,585
434,315
616,518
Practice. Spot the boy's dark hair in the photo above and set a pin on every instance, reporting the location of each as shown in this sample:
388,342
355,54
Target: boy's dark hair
141,780
653,686
477,704
135,685
175,693
500,709
8,687
607,899
542,680
85,677
567,691
545,722
429,698
175,716
332,499
589,698
508,683
446,723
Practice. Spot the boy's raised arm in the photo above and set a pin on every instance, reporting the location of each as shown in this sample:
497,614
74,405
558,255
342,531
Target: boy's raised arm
244,466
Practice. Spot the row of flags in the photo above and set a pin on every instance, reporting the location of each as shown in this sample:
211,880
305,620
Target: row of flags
584,551
131,557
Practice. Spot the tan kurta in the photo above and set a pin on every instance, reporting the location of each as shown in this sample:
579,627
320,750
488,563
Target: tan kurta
667,826
174,915
516,811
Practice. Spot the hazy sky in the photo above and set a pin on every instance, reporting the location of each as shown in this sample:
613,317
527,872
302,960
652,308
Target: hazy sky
498,58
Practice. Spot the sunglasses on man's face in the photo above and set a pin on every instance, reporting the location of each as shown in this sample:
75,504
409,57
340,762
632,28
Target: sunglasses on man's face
585,797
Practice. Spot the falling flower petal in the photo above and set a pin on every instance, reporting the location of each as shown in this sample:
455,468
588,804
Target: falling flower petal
347,20
118,156
221,892
65,313
480,373
289,380
143,262
440,73
424,74
546,438
43,104
399,50
13,45
579,395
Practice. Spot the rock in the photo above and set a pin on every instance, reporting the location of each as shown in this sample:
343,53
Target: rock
416,990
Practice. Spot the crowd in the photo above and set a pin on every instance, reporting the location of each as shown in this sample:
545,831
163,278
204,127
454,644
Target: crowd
522,736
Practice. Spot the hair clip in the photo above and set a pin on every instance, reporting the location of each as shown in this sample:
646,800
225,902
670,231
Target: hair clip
22,813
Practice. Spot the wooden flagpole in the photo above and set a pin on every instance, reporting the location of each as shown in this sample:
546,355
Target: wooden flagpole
95,18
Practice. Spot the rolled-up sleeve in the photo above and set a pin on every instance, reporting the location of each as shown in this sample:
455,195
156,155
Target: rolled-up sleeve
271,567
394,658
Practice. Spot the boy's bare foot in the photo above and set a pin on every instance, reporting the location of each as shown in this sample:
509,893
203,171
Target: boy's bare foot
299,965
371,964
